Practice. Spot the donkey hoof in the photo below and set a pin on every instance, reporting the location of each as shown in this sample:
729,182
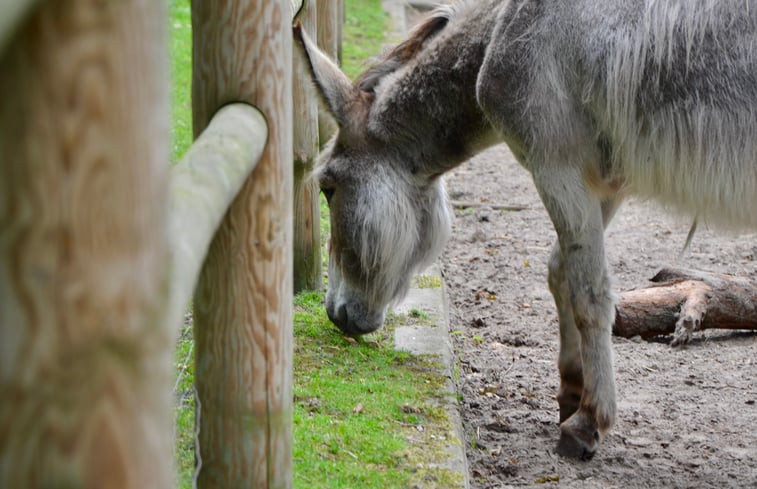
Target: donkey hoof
578,444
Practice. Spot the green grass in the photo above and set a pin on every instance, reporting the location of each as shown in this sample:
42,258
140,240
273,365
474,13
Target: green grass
185,405
427,282
180,29
180,39
359,405
364,33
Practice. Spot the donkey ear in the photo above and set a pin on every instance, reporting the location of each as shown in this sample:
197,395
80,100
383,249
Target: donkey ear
333,85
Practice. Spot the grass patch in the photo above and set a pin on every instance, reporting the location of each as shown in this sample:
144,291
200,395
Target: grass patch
364,414
185,405
180,39
427,282
180,46
364,33
418,314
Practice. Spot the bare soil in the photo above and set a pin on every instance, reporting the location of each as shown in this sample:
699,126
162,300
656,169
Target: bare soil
687,415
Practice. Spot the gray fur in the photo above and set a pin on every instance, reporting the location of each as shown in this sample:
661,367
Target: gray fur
598,99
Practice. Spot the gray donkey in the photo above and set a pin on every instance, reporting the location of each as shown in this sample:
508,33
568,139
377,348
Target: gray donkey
597,99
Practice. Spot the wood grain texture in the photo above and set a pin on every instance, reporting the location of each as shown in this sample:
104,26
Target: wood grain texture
201,188
307,228
85,363
296,6
329,13
242,51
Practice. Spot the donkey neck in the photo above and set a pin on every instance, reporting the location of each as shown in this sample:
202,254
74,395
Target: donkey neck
428,107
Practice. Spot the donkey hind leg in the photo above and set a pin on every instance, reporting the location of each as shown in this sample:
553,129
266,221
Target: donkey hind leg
569,360
578,273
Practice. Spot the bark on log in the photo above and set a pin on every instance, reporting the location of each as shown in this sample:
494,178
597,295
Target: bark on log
683,301
307,227
85,360
242,51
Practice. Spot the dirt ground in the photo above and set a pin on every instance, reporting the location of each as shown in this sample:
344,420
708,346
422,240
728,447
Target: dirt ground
687,416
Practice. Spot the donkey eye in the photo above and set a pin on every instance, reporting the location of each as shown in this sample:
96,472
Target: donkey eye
328,193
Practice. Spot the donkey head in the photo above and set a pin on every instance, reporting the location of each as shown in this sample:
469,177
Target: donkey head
388,218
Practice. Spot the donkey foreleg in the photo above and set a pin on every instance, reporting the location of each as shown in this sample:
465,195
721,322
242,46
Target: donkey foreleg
569,359
580,281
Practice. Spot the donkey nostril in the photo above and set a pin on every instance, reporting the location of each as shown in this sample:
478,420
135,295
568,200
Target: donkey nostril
341,316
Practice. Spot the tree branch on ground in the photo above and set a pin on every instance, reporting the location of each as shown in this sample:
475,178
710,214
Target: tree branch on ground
683,301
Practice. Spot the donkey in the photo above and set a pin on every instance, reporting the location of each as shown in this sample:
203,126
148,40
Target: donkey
597,99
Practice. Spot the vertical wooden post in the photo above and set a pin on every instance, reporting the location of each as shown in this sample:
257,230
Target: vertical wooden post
328,40
85,363
329,20
342,18
307,229
242,51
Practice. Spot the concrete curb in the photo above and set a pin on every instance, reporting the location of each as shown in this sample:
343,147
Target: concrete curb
434,339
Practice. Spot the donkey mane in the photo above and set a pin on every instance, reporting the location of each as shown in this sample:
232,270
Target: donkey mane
407,50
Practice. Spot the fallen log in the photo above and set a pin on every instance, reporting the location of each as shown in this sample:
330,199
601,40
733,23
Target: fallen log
462,204
683,301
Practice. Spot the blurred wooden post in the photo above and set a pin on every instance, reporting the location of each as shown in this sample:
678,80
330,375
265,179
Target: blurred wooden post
307,229
328,27
242,51
342,18
85,361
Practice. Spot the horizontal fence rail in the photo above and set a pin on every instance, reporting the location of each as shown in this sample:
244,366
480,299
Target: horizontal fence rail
201,188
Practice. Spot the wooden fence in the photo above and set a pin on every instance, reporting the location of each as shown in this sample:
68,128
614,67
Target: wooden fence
101,244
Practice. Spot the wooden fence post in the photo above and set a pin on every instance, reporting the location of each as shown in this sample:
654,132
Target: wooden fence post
342,18
85,362
328,27
242,51
307,229
330,18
